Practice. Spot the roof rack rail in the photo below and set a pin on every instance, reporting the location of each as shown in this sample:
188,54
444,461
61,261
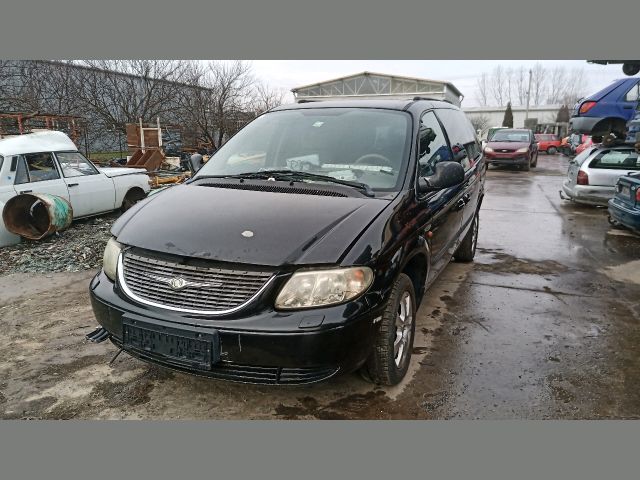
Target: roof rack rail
306,100
415,99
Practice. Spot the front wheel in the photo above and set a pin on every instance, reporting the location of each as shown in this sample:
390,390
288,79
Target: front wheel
389,360
535,163
551,151
467,249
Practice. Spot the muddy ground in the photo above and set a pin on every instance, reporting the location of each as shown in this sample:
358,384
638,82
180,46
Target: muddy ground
544,324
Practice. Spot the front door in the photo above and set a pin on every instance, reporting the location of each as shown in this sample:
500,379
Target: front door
90,191
441,211
37,173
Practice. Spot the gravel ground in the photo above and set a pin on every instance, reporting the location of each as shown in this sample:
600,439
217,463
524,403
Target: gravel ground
80,247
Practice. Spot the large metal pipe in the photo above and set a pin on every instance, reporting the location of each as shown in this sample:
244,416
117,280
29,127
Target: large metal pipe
36,215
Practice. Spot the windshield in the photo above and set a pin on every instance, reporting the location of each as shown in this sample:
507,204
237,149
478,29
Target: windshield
356,144
510,136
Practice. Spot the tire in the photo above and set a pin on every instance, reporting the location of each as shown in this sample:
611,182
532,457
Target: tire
527,167
535,164
132,197
551,151
385,365
467,249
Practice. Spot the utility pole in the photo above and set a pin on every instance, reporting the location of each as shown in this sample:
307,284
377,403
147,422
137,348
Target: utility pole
526,114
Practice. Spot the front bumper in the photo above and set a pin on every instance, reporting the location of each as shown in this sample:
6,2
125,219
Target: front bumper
588,194
268,347
624,215
515,159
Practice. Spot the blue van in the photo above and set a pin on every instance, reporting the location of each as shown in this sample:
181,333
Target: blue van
608,110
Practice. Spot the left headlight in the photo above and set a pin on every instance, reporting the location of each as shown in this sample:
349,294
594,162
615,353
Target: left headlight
522,150
110,258
316,288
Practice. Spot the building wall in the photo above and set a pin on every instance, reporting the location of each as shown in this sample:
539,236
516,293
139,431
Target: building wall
495,115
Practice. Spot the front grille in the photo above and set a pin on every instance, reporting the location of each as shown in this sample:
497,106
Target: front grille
196,288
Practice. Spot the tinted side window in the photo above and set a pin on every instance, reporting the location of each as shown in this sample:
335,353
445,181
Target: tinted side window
461,134
432,145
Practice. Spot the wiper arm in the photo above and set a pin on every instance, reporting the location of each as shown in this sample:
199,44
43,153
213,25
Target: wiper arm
294,174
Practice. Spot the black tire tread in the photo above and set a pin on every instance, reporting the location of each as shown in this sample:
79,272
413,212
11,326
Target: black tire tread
465,251
381,366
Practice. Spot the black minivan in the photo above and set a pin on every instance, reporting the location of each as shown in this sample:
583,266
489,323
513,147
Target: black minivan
301,249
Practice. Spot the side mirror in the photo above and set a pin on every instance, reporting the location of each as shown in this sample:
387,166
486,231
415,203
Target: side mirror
447,175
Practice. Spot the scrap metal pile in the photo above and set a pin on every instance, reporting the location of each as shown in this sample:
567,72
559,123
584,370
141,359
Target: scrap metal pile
72,250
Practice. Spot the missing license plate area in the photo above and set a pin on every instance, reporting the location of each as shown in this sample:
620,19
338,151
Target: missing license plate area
625,192
188,348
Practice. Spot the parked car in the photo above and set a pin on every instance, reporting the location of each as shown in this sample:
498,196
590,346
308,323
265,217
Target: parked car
512,146
593,174
548,143
301,249
633,129
624,207
586,141
608,110
49,162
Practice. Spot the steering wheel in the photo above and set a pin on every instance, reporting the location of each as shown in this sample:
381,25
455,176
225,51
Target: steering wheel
374,159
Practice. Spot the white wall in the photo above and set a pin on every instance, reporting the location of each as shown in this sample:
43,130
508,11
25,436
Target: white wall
544,114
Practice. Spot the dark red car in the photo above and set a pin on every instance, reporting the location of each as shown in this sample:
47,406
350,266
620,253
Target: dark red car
548,143
512,146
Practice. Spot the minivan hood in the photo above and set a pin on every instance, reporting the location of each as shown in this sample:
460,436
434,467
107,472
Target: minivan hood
246,226
507,145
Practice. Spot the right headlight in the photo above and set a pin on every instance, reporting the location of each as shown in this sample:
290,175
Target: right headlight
318,288
488,150
110,258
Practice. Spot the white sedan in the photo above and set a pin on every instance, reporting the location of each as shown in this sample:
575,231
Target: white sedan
49,162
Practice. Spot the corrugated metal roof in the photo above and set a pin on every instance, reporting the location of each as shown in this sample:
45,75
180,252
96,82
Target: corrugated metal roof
367,73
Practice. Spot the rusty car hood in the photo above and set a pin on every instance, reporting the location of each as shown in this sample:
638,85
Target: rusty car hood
246,226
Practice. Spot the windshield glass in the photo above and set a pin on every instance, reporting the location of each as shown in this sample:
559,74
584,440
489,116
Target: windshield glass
356,144
510,136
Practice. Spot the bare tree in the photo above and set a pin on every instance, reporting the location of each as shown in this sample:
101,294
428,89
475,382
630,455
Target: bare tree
538,78
482,84
556,84
498,84
479,122
264,98
521,85
122,91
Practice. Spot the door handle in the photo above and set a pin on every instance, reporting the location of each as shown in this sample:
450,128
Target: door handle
466,197
25,191
72,184
627,107
460,204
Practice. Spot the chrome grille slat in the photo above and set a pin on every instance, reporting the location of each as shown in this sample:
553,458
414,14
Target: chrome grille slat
142,278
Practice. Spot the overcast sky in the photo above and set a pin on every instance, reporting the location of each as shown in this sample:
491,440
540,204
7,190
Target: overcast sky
288,74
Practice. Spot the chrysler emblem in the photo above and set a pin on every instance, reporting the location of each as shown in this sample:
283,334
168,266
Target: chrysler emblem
177,283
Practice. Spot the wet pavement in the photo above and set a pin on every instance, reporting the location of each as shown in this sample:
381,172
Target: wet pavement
544,324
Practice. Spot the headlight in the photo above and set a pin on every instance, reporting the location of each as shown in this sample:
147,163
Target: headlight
110,258
522,150
488,150
308,289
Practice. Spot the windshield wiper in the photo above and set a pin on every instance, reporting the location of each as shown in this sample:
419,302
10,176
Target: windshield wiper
295,175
